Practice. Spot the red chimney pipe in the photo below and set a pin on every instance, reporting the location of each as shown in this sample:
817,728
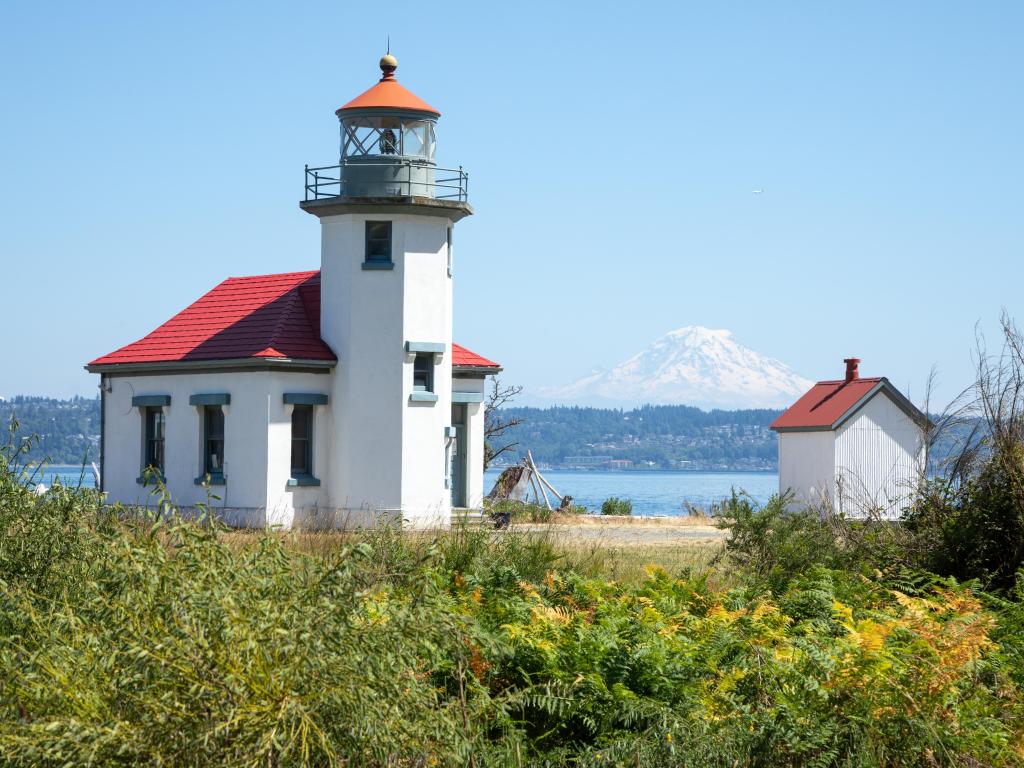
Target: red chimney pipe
851,368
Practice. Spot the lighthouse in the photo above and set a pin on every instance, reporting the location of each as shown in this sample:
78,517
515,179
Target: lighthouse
387,215
325,398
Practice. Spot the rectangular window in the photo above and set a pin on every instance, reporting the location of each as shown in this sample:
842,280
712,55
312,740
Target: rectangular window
302,441
378,242
154,438
213,441
423,372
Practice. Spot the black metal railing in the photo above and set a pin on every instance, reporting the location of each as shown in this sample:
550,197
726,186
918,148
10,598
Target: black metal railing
392,178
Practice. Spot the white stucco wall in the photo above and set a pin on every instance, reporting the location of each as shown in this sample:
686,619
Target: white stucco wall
388,454
879,459
255,492
426,498
807,467
475,490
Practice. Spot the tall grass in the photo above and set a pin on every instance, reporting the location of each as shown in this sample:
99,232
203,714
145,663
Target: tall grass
134,641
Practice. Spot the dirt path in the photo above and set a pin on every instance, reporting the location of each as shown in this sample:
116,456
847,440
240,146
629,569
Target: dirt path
631,531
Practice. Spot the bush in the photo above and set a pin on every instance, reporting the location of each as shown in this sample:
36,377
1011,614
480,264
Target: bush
173,643
520,510
969,523
774,544
974,529
616,506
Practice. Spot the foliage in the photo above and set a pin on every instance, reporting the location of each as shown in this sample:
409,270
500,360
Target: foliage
520,510
616,506
773,543
45,542
969,522
67,431
141,641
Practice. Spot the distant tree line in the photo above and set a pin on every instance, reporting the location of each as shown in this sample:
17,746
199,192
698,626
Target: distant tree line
660,433
68,432
61,431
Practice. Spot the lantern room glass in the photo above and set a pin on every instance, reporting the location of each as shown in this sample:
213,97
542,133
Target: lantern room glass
387,135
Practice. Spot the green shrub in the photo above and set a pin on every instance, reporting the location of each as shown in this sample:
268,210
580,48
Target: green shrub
175,643
616,506
521,510
974,529
773,543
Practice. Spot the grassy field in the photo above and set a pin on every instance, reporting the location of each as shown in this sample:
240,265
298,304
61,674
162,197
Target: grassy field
611,555
127,640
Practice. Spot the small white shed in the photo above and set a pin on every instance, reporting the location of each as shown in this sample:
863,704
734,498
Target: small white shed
855,445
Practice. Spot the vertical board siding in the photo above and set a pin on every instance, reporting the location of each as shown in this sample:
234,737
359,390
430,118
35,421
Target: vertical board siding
878,459
807,467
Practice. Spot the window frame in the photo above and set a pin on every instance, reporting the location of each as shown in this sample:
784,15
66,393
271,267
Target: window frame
302,475
208,438
428,360
154,446
371,261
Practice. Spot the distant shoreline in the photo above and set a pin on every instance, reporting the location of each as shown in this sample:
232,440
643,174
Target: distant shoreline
649,470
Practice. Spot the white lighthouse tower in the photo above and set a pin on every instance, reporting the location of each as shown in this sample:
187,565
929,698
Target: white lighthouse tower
387,213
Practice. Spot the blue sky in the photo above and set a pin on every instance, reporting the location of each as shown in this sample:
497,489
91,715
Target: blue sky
150,150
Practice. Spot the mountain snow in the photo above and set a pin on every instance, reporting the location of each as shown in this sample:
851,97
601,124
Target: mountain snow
690,366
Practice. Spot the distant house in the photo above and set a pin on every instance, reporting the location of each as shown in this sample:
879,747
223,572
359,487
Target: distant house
329,397
855,445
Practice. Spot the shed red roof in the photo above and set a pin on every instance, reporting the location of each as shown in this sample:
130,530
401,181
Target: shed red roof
826,403
264,317
388,94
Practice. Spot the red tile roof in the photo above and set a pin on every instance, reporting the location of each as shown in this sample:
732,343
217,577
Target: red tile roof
267,316
824,404
462,357
828,404
262,317
388,94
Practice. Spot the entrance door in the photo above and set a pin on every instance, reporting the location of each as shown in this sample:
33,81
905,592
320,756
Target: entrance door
458,456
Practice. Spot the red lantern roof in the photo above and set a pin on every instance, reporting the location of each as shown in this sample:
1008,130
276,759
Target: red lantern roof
388,94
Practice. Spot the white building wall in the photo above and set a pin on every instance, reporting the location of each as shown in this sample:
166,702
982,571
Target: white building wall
289,505
475,490
807,467
251,468
387,454
879,459
361,320
426,498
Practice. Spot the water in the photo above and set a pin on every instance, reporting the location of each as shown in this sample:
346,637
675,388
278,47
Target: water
654,493
69,474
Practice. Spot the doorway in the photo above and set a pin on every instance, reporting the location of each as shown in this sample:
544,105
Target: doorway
458,456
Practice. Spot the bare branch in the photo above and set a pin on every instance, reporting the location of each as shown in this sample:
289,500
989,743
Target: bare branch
495,425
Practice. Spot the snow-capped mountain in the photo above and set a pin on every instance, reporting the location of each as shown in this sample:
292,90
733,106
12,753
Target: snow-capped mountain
689,366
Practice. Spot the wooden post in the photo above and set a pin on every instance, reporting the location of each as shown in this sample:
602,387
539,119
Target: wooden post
540,480
550,487
533,484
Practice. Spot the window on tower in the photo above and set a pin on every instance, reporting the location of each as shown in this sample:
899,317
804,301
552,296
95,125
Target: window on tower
423,372
378,245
